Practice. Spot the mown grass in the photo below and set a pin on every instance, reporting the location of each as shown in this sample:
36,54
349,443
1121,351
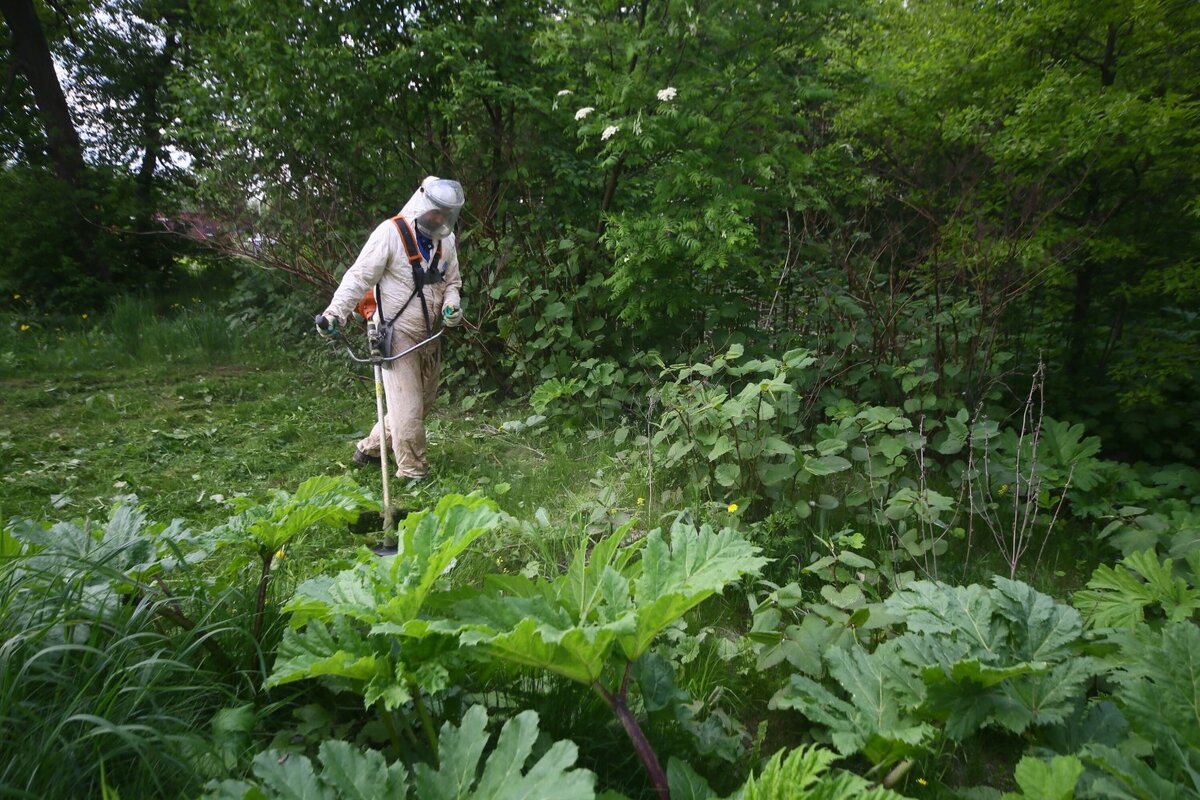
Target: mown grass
98,419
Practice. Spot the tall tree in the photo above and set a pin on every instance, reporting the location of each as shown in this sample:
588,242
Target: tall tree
33,58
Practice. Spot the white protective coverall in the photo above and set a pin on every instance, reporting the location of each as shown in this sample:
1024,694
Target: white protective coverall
409,383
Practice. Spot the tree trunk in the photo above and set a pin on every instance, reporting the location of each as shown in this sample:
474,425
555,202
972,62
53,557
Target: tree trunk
32,55
34,60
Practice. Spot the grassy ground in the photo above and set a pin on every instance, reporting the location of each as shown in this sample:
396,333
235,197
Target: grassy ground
87,427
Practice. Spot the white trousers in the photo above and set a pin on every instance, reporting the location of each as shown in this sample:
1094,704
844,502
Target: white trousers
410,387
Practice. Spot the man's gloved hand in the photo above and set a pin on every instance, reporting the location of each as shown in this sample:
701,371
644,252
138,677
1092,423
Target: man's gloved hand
452,316
326,326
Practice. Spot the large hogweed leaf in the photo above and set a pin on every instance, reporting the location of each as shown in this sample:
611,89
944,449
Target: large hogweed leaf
321,500
610,603
972,656
362,626
1118,596
112,562
504,776
348,773
804,774
876,715
1157,673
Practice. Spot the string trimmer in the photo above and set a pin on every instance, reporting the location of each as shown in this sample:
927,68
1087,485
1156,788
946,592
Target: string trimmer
377,359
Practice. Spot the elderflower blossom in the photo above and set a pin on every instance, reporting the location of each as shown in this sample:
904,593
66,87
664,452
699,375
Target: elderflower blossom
609,132
667,95
583,112
563,92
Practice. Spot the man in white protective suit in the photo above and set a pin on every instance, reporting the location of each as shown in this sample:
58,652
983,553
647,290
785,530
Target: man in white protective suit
409,269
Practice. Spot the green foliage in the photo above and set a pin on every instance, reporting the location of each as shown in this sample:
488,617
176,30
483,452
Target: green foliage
609,606
1121,596
803,774
347,772
1040,780
359,626
268,527
1156,678
100,672
972,657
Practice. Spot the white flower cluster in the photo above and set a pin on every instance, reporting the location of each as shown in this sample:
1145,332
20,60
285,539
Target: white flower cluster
563,92
609,132
667,95
583,112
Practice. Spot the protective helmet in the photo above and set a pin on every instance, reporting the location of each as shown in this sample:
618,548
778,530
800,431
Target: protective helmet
436,207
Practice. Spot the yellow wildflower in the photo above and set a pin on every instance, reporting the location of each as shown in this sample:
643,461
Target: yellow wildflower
922,782
83,315
24,327
16,297
279,554
732,508
1003,489
641,501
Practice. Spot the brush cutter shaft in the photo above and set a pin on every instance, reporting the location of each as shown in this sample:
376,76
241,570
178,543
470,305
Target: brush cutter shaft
401,354
383,454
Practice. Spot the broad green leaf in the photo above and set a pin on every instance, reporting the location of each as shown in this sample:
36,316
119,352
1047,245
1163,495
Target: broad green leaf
874,718
727,474
1047,698
687,784
360,774
360,622
319,651
677,577
724,445
1041,628
826,465
1039,780
775,474
936,609
570,625
1159,688
1118,596
322,500
349,773
891,446
290,778
505,774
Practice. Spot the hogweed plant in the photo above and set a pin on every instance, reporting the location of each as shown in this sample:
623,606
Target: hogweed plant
593,623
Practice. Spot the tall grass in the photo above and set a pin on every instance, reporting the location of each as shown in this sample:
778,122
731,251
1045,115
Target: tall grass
129,320
95,694
139,333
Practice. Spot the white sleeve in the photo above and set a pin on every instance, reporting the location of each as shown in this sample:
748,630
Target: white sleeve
452,297
364,273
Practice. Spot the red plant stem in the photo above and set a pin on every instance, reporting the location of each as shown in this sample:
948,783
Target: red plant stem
261,601
645,752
